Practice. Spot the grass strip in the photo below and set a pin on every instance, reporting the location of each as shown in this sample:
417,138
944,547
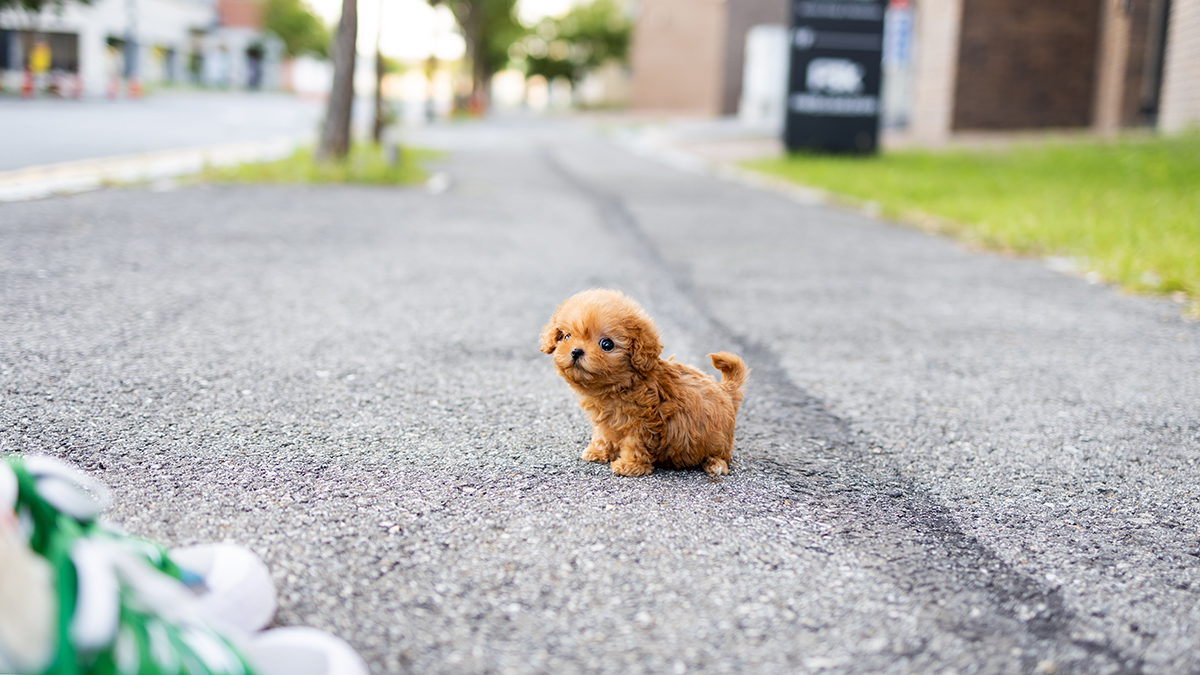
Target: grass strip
365,164
1127,210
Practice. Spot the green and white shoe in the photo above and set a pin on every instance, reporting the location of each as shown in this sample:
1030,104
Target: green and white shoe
80,596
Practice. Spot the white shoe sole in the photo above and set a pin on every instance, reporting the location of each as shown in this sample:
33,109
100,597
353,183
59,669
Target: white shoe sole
301,650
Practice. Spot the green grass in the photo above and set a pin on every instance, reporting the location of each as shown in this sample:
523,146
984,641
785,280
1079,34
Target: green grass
1127,210
365,164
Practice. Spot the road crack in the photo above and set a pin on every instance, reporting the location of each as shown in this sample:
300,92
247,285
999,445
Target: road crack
786,433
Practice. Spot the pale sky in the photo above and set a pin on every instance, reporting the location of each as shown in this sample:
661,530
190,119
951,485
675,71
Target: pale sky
412,29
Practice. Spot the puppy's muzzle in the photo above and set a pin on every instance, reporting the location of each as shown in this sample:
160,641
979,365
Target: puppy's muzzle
576,354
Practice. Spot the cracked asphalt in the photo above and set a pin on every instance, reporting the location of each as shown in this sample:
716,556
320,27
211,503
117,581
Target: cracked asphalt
948,461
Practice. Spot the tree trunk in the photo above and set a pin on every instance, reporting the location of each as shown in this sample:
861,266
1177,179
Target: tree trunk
477,42
470,17
480,77
377,130
335,132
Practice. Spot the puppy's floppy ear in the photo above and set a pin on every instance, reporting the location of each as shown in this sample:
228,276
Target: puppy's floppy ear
551,335
645,347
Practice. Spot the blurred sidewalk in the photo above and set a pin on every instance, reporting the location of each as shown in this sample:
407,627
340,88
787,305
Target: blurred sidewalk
720,143
55,145
705,142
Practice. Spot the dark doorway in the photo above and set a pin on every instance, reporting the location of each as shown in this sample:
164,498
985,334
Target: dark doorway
1156,49
254,66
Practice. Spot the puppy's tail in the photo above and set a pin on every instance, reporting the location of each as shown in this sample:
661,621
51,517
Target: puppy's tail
734,373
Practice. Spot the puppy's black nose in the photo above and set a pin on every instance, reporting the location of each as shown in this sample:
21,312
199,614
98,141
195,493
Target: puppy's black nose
576,354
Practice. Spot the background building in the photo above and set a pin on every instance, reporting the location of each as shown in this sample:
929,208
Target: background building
687,55
1005,64
214,43
236,52
952,65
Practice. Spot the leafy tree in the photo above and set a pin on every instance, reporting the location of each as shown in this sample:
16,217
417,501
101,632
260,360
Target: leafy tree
294,22
587,37
490,27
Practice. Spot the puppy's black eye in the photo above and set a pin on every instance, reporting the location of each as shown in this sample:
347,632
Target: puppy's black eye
566,336
607,344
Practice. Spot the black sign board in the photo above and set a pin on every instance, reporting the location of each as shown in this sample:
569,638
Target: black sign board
834,78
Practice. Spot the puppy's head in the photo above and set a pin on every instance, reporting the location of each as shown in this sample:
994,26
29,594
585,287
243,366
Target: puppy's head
600,338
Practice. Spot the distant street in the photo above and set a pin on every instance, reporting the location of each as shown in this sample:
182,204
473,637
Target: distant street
948,461
50,131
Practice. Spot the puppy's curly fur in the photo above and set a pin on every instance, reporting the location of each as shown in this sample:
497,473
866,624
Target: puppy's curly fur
645,410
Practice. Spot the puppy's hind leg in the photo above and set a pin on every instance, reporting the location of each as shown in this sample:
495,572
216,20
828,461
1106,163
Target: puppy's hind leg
720,450
715,466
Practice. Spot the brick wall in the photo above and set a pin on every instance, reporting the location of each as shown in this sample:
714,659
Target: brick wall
677,56
742,16
1026,64
239,13
1180,106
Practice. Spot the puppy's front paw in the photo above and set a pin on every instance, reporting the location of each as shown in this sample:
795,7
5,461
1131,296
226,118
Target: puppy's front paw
600,451
716,467
595,453
625,467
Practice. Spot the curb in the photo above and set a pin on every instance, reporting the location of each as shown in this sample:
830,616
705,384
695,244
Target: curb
658,146
36,182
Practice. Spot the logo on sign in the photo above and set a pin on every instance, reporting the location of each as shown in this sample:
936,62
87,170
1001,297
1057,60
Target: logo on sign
839,77
834,87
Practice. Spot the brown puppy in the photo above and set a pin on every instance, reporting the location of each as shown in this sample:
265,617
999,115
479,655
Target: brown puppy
644,410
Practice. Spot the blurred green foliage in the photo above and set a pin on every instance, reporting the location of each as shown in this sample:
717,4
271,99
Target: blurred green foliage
295,23
584,39
392,65
489,27
1127,210
500,30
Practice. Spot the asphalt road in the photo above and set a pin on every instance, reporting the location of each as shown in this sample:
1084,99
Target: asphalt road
948,461
50,131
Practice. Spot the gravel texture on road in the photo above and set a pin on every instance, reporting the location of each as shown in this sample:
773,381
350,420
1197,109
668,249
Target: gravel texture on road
947,460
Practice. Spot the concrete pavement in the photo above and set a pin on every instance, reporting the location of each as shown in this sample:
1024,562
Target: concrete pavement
948,461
